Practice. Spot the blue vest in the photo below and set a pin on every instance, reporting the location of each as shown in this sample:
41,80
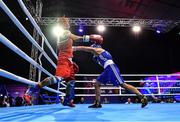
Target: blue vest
102,58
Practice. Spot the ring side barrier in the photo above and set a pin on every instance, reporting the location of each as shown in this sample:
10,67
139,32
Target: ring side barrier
18,51
49,99
89,75
24,31
33,22
14,77
111,95
130,81
111,87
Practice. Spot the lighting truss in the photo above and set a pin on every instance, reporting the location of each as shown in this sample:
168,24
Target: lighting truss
164,25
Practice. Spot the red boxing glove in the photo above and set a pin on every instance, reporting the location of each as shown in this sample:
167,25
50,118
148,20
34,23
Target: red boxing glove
98,39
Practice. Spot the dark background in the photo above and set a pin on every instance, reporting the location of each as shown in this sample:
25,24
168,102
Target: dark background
147,52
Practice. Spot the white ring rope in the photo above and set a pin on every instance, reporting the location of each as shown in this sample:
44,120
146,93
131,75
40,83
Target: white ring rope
36,26
18,51
6,74
24,31
62,83
110,86
24,80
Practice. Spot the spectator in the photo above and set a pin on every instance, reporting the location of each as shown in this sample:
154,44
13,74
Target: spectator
128,101
162,101
82,100
19,101
103,91
2,101
110,92
61,99
106,101
136,100
11,101
6,101
173,100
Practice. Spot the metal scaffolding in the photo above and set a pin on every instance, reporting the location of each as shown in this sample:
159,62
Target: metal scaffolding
36,12
164,25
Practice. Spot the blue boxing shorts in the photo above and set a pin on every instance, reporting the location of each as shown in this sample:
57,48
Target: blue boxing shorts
111,74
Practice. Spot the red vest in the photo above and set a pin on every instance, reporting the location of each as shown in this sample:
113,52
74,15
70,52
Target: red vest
65,50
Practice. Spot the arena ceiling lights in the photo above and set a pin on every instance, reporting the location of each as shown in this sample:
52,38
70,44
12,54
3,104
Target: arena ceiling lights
152,24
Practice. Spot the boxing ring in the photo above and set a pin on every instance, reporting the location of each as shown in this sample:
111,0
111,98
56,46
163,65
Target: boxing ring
81,113
57,112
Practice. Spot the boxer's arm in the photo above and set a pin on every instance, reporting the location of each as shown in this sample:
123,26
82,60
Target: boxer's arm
84,48
75,37
95,51
68,35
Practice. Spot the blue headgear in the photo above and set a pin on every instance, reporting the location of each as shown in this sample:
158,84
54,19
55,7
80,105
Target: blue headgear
96,46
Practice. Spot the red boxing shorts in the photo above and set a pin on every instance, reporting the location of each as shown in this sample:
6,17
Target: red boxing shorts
65,69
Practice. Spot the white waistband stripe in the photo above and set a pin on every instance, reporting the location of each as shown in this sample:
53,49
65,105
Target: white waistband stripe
108,62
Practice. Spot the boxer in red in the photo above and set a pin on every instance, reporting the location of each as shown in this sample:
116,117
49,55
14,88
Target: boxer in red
27,100
66,68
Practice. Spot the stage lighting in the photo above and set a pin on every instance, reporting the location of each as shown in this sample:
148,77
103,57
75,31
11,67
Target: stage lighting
58,30
80,29
136,29
158,31
101,28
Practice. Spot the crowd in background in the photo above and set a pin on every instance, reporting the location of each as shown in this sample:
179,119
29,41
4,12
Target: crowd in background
9,101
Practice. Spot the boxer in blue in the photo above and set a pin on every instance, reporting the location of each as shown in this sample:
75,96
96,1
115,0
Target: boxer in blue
111,73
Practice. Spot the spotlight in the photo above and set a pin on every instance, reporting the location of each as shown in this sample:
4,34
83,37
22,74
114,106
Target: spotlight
80,29
158,31
136,29
101,28
27,19
58,30
179,33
